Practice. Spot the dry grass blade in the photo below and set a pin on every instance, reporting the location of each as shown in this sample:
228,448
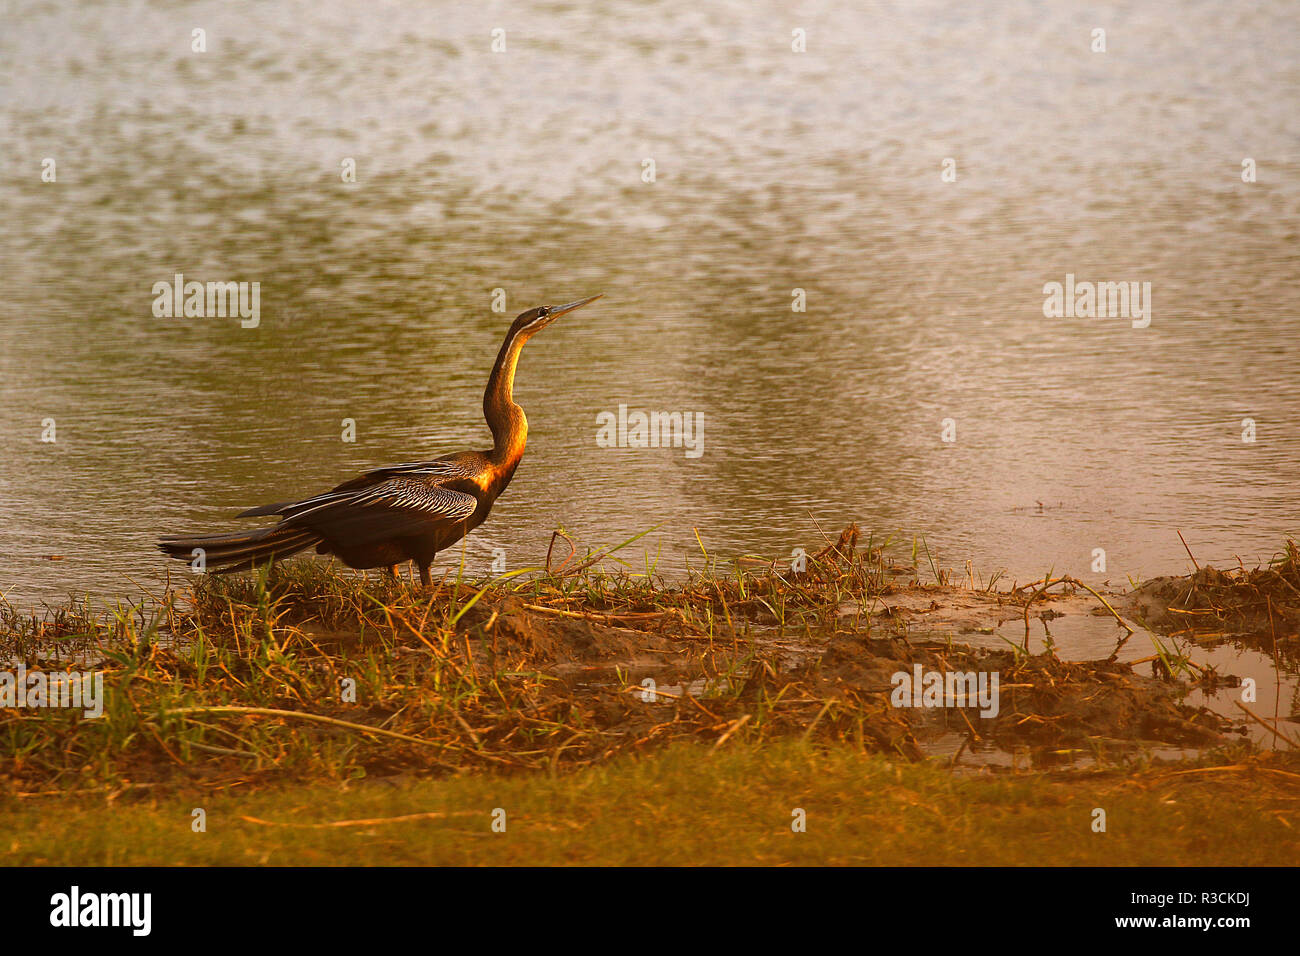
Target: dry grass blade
373,821
300,715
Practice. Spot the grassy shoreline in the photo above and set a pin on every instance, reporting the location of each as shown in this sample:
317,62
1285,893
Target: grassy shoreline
608,715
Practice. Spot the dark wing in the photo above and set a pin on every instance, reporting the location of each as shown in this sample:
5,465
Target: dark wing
440,468
437,470
394,508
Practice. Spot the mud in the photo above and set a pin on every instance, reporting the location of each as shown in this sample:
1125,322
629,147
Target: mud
843,680
576,670
1261,605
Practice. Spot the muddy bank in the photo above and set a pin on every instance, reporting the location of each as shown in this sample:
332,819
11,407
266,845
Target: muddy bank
1261,606
315,673
843,682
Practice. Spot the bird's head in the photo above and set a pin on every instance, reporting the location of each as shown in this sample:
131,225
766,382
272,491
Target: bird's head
534,320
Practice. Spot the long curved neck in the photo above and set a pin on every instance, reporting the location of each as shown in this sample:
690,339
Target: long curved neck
506,419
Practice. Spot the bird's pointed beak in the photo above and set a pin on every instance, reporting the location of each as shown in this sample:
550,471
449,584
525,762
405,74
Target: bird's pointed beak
560,310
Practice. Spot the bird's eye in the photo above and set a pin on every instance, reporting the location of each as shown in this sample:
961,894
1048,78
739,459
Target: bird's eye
543,312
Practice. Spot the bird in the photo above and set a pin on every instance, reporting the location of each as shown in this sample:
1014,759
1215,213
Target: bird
398,513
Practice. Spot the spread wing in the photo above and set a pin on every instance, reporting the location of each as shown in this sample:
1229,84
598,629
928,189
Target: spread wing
388,502
434,472
440,468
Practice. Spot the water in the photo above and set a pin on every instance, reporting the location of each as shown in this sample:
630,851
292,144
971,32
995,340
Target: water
775,171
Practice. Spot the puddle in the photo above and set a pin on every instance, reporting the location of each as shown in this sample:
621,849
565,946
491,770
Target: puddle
1077,628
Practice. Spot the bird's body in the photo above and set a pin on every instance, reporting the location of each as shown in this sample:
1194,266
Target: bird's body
398,513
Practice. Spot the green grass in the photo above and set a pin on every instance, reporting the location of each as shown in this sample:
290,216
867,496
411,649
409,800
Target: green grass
690,804
308,671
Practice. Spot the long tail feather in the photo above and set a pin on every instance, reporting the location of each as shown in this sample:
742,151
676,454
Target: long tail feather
240,550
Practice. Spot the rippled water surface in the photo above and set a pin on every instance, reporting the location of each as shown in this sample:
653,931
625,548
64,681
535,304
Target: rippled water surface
775,171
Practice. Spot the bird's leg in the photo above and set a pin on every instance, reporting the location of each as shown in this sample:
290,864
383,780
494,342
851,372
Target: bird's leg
391,571
424,576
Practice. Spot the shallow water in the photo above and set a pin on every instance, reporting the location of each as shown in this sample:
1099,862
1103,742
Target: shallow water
1088,637
775,171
